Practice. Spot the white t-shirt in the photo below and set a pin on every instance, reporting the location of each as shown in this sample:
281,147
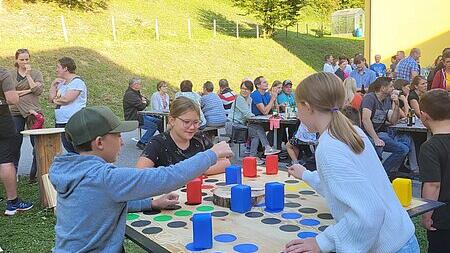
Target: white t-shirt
304,134
64,112
328,68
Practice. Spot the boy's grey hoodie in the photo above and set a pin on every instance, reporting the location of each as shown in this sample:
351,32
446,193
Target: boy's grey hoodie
94,197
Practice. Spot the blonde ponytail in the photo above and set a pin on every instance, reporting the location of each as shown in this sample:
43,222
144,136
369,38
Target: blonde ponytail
325,92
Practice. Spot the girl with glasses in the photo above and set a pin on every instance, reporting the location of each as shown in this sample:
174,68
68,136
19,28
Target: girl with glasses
182,141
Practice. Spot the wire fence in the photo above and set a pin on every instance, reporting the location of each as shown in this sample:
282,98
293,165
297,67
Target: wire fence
113,28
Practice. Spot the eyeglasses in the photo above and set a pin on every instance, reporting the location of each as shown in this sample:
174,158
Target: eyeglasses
189,123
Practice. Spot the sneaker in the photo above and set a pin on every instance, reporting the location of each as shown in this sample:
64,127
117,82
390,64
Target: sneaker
140,145
259,161
20,205
271,151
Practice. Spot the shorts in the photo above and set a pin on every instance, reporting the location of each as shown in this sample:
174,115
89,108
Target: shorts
9,149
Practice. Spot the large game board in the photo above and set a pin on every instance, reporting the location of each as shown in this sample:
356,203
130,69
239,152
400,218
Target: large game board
305,215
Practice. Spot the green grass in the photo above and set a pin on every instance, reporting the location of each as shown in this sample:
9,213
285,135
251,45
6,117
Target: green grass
33,231
106,65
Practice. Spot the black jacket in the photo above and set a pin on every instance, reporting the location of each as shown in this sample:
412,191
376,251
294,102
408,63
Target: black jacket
340,74
132,103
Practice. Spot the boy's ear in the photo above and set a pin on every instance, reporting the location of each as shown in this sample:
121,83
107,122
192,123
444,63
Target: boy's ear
97,143
424,116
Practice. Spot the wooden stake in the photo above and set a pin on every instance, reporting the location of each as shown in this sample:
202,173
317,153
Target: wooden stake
113,23
64,28
214,27
257,31
189,28
237,29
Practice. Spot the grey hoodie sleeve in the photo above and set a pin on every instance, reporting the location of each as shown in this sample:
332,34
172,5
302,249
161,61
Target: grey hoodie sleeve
242,106
139,205
126,184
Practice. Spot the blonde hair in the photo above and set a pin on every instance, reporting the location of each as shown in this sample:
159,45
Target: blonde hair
181,105
325,92
350,89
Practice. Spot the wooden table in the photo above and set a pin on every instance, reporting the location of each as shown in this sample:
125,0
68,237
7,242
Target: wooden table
262,119
47,146
305,214
163,114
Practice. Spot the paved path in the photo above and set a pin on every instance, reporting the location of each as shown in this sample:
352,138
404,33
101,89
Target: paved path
129,155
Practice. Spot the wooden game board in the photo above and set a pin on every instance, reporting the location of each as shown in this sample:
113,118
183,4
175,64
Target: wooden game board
305,214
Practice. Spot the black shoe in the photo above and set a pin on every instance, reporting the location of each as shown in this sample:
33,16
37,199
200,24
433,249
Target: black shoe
140,145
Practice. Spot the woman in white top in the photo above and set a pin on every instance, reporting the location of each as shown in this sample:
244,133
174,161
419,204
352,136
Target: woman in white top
351,178
68,93
160,100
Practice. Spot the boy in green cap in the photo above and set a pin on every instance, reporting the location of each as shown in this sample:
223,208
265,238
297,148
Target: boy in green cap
94,196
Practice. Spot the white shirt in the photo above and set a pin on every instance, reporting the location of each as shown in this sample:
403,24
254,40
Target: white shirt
368,214
157,102
64,112
327,67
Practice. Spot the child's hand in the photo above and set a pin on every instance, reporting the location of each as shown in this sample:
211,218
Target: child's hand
296,170
302,245
165,201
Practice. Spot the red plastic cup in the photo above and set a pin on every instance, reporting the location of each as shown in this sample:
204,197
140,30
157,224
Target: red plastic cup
272,164
194,192
249,166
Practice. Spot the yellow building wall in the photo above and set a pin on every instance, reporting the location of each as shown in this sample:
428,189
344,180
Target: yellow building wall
393,25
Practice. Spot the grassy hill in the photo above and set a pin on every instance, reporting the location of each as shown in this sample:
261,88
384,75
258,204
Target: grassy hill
107,65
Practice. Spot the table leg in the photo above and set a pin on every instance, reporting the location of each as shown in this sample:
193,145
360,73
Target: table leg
165,123
47,147
275,138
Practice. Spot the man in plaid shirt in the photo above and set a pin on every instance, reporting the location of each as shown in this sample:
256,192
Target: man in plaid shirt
408,68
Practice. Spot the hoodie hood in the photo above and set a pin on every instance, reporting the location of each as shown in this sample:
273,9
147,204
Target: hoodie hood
68,170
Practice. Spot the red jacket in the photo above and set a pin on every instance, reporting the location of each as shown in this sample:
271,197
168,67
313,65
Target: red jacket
439,80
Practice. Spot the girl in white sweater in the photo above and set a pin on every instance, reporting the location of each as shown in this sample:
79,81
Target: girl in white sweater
369,217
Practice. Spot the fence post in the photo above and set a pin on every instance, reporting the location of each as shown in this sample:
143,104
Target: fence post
64,28
214,27
297,29
257,31
189,28
307,30
237,29
156,29
286,32
113,23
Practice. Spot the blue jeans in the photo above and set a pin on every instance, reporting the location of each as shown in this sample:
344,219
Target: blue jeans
20,122
66,143
398,150
151,124
412,246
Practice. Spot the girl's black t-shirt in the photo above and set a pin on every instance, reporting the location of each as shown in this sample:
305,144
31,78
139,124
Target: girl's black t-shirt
163,151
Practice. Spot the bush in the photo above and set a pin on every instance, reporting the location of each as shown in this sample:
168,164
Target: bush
84,5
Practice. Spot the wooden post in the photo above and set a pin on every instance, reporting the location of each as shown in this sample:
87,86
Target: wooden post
257,31
189,28
297,30
286,32
214,27
156,29
47,146
64,28
237,29
113,23
307,30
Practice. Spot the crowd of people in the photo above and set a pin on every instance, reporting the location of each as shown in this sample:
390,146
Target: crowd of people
345,112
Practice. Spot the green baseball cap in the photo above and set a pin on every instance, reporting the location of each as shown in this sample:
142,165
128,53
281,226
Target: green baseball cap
91,122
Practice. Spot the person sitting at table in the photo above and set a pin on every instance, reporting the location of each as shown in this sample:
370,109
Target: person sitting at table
352,97
69,94
341,71
286,98
350,177
434,162
239,113
378,67
90,179
182,141
160,100
418,89
212,107
380,108
402,87
364,77
442,77
226,94
298,147
133,102
29,85
262,101
186,91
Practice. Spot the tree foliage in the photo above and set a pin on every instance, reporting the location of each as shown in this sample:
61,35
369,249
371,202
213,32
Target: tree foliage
272,13
345,4
84,5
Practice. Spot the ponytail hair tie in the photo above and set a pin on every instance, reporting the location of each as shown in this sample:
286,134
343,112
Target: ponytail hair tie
334,109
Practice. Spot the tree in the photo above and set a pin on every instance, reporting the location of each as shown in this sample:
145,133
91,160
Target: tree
345,4
272,13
